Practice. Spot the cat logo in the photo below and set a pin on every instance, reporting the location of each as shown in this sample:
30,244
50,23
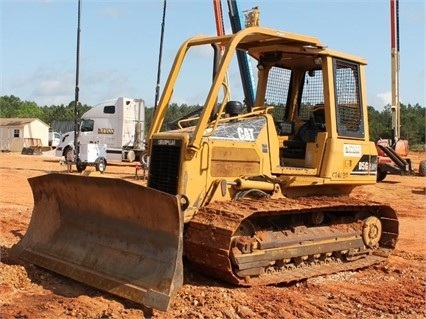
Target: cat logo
245,134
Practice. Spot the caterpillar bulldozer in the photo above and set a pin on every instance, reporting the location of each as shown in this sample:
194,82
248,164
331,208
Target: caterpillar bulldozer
250,195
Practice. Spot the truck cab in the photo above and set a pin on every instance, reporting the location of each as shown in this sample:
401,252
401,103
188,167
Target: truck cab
118,123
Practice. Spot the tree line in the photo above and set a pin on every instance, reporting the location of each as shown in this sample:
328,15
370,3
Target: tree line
413,119
12,106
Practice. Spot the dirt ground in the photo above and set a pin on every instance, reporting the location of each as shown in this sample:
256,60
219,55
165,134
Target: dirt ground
393,289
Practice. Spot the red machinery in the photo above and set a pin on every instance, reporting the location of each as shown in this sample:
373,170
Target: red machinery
393,155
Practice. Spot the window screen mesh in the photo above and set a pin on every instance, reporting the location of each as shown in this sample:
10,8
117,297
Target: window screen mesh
313,93
277,90
348,100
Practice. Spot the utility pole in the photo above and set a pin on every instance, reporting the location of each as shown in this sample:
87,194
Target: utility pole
157,87
77,89
395,106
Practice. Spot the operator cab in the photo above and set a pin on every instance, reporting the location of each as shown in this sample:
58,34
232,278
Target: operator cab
306,116
299,112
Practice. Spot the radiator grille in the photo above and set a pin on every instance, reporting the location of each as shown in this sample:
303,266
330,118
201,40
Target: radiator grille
164,166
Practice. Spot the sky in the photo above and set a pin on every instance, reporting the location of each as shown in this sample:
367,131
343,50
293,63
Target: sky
119,44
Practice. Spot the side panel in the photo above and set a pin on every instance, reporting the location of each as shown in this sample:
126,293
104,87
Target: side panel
350,161
231,161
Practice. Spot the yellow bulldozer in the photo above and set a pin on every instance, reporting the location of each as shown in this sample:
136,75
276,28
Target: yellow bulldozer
252,195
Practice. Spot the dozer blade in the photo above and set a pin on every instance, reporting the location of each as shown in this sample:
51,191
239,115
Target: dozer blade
111,234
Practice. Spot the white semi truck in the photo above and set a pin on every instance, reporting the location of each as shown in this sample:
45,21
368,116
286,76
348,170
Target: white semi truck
117,123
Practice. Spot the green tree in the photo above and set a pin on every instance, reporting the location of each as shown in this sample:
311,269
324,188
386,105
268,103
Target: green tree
62,112
412,123
9,106
12,106
377,128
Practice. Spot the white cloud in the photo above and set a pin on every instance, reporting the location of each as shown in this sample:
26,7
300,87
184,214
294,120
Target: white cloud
384,98
54,100
45,86
58,85
112,12
52,85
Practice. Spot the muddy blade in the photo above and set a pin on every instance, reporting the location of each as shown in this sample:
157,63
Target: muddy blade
114,235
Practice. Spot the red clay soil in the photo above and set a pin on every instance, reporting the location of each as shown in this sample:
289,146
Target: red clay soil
394,289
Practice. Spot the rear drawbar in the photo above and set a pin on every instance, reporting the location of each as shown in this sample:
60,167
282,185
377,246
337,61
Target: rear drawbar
111,234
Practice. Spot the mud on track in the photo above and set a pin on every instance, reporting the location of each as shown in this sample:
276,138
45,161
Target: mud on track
393,289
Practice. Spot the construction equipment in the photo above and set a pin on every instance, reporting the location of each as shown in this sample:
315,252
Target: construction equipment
253,197
393,155
393,158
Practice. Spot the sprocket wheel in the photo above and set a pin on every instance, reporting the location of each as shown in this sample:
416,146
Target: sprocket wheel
372,231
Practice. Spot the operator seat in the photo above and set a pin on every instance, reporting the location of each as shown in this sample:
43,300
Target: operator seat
307,133
315,124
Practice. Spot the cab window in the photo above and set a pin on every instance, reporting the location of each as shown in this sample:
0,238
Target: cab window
87,125
109,109
348,99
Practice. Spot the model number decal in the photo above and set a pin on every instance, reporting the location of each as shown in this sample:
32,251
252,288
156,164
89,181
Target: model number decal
363,166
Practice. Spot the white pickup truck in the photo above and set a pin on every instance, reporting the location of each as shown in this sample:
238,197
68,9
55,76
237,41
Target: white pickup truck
54,139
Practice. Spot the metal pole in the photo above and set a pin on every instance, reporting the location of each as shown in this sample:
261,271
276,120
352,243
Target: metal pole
157,87
76,108
397,94
395,105
243,59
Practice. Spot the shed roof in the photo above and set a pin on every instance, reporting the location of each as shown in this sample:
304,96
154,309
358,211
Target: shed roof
18,122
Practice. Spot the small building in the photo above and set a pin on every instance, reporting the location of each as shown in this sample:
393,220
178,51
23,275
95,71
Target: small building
17,133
